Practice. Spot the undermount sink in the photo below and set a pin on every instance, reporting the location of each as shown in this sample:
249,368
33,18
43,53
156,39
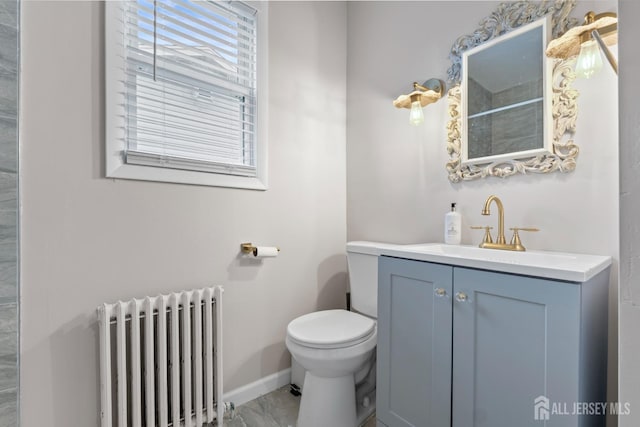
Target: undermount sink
552,265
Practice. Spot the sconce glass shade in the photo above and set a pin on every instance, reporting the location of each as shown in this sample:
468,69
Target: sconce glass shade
416,116
427,93
580,41
589,60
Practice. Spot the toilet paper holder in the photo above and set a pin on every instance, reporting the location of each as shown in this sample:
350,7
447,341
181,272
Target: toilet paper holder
249,248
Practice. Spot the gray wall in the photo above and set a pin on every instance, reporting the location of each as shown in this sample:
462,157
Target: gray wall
87,240
80,240
397,186
629,210
8,212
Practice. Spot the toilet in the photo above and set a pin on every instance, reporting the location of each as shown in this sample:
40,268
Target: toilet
336,349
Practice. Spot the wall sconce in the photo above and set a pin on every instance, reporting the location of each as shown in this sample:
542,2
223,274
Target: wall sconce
586,41
422,95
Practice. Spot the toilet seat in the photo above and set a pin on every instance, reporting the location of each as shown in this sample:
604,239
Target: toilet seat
331,329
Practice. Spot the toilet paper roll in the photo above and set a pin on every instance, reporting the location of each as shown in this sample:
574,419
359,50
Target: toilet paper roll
265,251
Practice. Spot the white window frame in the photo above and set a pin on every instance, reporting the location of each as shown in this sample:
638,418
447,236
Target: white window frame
114,115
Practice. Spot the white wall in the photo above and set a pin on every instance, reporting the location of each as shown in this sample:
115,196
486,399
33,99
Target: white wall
88,240
629,211
397,185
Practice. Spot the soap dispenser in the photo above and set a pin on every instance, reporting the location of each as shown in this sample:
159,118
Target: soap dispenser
452,226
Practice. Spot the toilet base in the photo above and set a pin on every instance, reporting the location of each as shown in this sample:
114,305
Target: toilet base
364,412
366,394
328,402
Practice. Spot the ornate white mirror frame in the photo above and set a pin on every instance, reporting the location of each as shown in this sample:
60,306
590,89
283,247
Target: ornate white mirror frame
507,17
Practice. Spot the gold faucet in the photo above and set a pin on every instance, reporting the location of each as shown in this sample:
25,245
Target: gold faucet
485,211
501,241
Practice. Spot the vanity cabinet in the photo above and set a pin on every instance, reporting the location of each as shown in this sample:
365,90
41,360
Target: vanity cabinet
464,347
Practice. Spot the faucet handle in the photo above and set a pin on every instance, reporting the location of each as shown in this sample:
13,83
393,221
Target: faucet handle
515,240
516,229
487,234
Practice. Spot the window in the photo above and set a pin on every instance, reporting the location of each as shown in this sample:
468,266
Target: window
182,79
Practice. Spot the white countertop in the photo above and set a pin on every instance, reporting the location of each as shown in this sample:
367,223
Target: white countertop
552,265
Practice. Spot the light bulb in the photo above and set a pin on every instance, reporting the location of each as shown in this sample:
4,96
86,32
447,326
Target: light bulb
589,60
416,116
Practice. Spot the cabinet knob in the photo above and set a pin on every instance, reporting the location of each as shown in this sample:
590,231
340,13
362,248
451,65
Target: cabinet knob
461,297
440,292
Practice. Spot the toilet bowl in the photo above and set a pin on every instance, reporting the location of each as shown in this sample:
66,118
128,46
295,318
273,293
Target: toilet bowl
336,349
332,346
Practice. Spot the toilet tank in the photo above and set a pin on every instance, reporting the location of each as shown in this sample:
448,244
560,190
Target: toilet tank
362,260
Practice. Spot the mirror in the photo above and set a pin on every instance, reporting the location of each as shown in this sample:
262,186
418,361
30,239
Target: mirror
504,101
512,109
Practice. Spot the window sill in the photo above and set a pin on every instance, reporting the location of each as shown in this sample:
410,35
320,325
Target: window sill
149,173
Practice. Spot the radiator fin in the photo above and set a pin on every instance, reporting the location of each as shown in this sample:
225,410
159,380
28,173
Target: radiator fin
161,361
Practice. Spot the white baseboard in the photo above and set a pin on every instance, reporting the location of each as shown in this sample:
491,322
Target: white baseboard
258,388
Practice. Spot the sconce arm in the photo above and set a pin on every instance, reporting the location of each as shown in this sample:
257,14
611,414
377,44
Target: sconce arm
607,53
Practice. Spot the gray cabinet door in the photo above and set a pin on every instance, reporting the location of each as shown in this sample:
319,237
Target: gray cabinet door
414,343
515,338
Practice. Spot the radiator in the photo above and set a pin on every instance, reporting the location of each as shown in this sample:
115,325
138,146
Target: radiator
161,360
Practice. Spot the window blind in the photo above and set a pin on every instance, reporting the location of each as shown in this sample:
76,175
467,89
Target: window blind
190,85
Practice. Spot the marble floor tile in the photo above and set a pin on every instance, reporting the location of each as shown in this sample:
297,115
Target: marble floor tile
276,409
8,408
370,422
